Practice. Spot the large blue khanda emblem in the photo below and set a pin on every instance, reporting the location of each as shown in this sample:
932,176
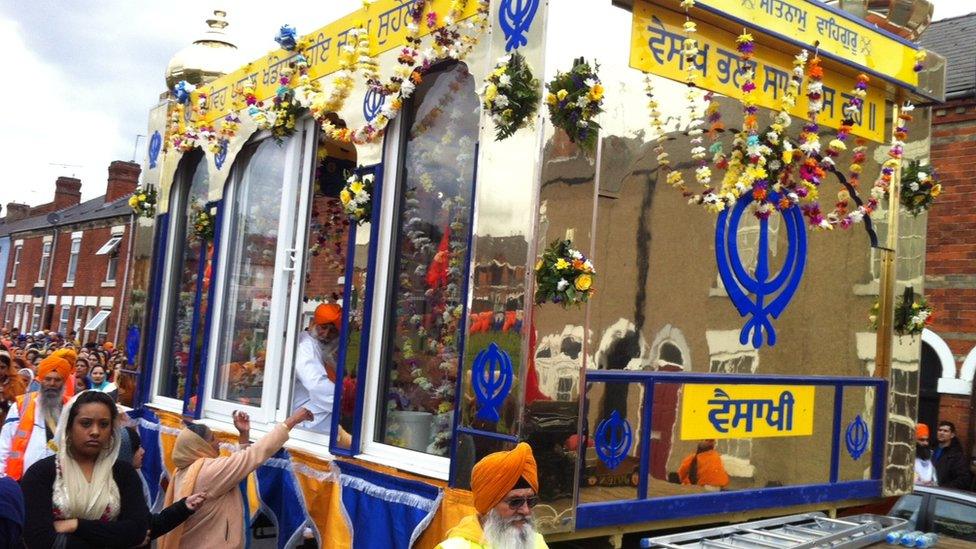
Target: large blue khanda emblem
515,18
155,145
614,438
221,155
491,379
856,438
372,104
761,294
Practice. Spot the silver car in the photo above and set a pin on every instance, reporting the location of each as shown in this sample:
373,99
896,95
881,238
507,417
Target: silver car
945,511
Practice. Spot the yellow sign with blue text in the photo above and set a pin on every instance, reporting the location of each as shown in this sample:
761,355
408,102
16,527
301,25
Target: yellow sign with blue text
385,22
656,48
746,411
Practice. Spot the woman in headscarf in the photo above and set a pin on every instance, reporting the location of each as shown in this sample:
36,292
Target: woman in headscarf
200,468
81,496
100,382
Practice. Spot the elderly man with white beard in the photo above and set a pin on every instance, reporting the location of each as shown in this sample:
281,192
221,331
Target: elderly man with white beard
505,487
30,426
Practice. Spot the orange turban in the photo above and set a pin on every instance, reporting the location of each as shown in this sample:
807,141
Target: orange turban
68,354
108,345
62,367
497,474
922,431
329,313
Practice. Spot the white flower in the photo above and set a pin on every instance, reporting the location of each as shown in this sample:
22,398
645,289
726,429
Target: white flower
590,82
504,80
505,59
922,176
407,88
913,186
501,101
575,254
562,284
582,123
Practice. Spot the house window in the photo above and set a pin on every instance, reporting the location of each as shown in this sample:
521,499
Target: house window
431,224
113,267
98,324
63,321
18,316
16,267
89,316
45,262
79,314
36,319
8,315
109,247
73,260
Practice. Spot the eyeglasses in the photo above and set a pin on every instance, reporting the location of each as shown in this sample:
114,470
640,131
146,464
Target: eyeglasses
516,503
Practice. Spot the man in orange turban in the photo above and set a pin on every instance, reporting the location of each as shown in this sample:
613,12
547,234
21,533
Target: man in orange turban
505,487
704,467
30,426
315,368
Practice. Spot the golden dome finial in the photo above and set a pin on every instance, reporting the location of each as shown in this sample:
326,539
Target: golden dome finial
208,57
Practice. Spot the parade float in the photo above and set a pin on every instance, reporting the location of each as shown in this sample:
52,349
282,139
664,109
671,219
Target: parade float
609,229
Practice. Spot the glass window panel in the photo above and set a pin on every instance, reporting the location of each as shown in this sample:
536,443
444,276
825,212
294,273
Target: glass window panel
63,321
429,263
113,267
186,266
251,243
13,272
45,261
955,519
73,260
907,508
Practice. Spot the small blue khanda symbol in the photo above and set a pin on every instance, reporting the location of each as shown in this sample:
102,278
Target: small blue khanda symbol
515,18
155,145
221,155
613,440
372,104
857,437
759,295
491,379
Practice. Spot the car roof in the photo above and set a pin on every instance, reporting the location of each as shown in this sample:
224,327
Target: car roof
948,492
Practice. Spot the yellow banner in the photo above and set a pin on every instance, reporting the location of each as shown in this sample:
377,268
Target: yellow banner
385,22
656,48
746,411
839,34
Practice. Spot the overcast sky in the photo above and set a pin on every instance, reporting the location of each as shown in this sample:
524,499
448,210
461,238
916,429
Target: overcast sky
81,76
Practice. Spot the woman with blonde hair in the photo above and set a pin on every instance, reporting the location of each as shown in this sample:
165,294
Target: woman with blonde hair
81,496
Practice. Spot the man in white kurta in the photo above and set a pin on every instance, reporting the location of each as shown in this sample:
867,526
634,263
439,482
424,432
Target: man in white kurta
317,351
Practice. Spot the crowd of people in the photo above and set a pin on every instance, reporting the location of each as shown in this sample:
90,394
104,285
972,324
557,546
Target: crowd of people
943,464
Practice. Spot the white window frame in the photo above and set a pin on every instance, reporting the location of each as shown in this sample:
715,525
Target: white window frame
110,245
45,265
69,278
89,314
8,315
16,264
64,319
297,174
99,319
76,327
112,269
18,316
35,321
101,333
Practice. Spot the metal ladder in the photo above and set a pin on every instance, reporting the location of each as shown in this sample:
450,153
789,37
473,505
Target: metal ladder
807,530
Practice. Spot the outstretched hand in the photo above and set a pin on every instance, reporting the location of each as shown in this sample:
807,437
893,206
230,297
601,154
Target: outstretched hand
298,416
242,422
193,502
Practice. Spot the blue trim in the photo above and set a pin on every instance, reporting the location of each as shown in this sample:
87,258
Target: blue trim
835,445
646,427
344,341
829,55
880,429
463,324
595,515
152,318
208,321
189,387
486,434
634,376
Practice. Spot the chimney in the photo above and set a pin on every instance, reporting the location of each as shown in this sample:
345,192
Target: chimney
67,192
122,180
16,212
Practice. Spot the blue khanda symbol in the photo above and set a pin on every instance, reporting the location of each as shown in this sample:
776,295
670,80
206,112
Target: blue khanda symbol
155,145
857,437
491,379
613,440
759,295
515,18
221,155
372,104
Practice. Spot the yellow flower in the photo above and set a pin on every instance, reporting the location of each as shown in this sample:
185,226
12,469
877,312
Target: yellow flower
356,187
596,92
788,156
936,190
133,201
491,92
498,72
538,265
344,196
552,99
142,198
561,94
562,264
583,282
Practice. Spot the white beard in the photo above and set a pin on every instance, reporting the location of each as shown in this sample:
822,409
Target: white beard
503,533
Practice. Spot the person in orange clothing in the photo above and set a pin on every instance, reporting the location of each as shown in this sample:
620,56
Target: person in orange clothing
505,486
704,467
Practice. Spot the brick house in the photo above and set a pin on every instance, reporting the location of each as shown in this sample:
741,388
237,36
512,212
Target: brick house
949,345
68,260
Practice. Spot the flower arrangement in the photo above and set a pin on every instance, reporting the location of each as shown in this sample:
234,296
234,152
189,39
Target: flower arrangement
911,315
143,202
357,197
286,37
574,99
203,223
510,95
919,188
563,275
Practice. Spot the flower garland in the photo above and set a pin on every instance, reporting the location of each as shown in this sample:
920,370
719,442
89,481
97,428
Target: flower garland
563,275
911,316
510,95
841,215
919,188
357,197
143,202
575,98
895,153
204,223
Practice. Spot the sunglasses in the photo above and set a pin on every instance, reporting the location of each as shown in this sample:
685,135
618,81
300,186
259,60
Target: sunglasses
516,503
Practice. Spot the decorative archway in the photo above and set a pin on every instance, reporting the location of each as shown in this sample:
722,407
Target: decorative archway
948,382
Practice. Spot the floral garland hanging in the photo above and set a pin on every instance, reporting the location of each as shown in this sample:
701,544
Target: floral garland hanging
575,98
143,202
204,223
563,275
357,197
510,95
911,315
919,188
